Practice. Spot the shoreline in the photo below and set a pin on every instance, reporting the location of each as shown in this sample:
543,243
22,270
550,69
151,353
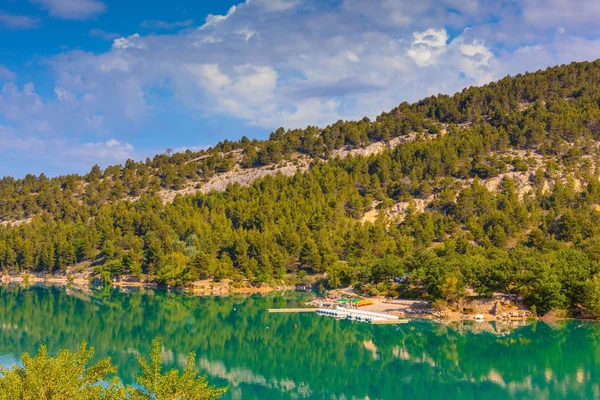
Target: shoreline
499,308
196,288
417,309
403,308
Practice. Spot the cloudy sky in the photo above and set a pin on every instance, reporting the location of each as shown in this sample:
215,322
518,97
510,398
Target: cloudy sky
99,81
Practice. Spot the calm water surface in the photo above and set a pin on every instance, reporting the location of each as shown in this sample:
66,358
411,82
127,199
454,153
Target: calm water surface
303,356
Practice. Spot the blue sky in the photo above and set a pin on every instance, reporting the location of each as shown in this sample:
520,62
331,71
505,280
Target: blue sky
99,81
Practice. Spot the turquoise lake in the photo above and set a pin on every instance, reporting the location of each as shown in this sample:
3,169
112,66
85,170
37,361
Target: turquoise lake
304,356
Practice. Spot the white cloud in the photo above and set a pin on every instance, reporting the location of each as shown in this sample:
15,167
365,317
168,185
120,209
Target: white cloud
248,90
477,50
293,63
132,41
6,74
112,150
431,38
213,20
209,76
246,33
387,12
9,141
427,46
399,15
277,5
64,116
18,21
257,81
475,60
576,15
72,9
157,24
268,65
104,34
573,48
62,94
63,152
115,63
351,56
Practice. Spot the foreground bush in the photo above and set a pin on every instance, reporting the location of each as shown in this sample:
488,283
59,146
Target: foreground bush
67,376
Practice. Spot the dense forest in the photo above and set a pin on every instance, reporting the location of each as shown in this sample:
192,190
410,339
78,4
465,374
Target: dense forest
496,190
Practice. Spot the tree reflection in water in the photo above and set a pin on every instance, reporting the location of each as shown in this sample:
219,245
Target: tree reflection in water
282,356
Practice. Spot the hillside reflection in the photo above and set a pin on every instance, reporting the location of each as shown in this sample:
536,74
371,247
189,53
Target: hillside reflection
282,356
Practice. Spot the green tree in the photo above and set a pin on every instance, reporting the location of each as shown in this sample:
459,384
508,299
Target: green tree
387,268
176,270
67,376
63,377
158,385
452,288
591,301
310,256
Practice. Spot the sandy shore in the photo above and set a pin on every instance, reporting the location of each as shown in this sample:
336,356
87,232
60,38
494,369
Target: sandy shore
482,310
420,309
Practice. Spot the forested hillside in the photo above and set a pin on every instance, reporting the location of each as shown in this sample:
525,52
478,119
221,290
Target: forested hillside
494,188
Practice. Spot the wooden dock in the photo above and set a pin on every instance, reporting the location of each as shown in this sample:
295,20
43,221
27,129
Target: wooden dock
292,310
390,321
